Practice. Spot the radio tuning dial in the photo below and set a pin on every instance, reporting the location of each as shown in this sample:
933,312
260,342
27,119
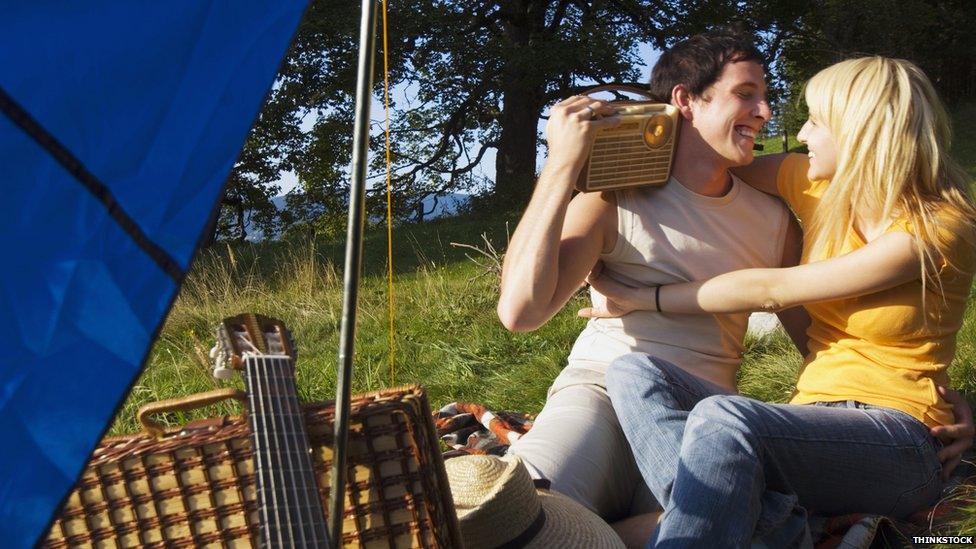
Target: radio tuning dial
657,131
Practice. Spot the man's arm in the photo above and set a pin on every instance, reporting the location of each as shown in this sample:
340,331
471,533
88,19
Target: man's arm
558,240
957,437
795,320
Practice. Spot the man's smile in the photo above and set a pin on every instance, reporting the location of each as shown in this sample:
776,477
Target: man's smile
746,131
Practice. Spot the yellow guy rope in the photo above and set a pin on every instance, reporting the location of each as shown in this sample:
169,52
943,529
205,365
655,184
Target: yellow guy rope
389,194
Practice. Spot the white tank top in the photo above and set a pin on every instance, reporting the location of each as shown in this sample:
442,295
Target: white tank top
670,234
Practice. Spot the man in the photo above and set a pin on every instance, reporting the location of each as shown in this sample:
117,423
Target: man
702,223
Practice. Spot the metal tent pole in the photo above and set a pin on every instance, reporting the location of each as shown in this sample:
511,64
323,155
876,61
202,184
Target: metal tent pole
354,252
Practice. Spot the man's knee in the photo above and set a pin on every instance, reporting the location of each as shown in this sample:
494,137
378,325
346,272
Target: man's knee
576,444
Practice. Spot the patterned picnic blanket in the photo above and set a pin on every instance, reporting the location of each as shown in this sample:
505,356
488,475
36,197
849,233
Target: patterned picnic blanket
467,428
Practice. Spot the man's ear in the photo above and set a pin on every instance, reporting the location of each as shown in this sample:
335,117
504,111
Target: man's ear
681,98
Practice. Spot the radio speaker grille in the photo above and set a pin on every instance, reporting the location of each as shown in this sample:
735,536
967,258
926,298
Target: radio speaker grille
637,152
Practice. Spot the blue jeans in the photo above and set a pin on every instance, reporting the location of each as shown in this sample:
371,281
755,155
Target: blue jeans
731,471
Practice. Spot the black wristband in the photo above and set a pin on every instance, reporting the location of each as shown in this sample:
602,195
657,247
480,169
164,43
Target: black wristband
657,298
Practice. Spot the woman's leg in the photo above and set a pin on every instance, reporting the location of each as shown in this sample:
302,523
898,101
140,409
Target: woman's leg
744,463
652,399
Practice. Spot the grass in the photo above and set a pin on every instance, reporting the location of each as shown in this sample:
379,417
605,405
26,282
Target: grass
447,334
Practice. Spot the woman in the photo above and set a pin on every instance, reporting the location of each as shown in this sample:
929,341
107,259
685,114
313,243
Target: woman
887,266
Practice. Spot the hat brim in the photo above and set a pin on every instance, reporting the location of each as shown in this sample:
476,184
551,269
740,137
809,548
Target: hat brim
569,524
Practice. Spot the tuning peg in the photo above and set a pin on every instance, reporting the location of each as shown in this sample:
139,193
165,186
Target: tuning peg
220,371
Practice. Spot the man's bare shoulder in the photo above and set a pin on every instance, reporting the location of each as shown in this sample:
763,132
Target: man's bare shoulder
758,198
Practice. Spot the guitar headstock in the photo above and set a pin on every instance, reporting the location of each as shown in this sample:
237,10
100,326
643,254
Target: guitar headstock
249,334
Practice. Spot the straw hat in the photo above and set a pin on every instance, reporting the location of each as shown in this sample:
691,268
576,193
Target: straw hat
498,505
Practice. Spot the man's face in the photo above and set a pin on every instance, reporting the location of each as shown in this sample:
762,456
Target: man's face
731,112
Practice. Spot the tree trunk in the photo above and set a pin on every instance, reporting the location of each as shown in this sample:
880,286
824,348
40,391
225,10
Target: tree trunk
241,226
515,161
522,93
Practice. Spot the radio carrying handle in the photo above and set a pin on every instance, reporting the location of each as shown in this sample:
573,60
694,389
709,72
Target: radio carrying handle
624,88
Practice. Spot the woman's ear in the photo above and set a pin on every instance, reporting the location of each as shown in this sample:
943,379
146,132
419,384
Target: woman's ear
681,98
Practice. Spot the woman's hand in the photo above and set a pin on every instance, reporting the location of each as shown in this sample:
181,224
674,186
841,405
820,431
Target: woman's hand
620,299
957,437
608,309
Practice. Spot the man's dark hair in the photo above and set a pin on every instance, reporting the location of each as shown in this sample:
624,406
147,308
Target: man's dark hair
697,62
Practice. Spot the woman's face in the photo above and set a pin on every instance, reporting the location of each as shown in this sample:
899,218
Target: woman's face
823,151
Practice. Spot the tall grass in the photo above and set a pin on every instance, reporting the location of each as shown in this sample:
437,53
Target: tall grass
447,336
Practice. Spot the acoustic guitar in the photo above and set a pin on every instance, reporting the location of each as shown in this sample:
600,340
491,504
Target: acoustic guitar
289,504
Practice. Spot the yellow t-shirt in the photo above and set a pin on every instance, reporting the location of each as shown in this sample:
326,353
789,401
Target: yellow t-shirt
880,348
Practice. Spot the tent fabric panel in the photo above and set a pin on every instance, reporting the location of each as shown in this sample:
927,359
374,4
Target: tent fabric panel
153,98
79,305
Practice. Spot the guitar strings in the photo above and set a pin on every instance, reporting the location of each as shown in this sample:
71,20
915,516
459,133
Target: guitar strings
308,488
284,412
284,433
271,451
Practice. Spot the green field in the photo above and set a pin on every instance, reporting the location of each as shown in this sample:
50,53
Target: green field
447,335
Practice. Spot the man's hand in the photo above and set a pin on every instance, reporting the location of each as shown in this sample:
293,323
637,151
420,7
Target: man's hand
620,299
572,124
957,437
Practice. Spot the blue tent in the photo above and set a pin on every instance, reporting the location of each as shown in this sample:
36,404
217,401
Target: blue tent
119,122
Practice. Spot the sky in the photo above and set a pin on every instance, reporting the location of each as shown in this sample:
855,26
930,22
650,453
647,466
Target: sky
486,168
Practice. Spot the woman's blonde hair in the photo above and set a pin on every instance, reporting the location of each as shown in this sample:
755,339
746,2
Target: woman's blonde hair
892,136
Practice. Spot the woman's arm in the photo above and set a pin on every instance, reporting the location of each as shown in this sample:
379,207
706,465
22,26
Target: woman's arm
888,261
761,172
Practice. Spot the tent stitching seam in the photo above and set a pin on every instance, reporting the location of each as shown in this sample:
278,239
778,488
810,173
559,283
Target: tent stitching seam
99,190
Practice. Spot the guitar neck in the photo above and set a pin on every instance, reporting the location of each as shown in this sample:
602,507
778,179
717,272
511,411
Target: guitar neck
288,497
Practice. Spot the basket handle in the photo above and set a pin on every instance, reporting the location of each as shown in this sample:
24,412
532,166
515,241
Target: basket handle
181,404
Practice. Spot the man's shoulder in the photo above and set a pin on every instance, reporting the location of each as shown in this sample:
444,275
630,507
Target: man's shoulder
751,196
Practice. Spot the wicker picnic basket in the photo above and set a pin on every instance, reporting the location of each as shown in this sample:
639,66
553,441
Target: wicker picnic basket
195,486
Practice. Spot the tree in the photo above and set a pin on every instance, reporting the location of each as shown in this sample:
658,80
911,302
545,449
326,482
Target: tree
477,77
251,183
934,34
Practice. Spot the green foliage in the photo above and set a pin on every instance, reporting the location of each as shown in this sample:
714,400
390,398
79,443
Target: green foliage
934,34
476,76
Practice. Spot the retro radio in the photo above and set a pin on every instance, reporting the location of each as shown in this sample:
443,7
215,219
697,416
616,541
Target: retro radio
637,152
